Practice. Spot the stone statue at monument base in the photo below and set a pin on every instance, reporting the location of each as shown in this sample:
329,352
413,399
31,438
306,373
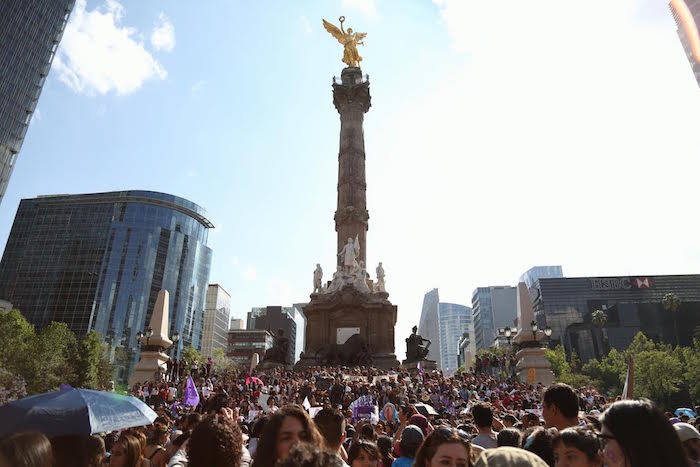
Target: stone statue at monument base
417,352
277,355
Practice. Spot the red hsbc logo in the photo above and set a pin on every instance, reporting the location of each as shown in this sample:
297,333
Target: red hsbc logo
642,283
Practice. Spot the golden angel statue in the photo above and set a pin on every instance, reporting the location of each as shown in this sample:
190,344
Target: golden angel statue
349,39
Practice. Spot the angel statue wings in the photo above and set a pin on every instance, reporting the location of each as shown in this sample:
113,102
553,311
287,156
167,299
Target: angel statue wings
349,39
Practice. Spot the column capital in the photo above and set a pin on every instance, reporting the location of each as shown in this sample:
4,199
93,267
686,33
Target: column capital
352,92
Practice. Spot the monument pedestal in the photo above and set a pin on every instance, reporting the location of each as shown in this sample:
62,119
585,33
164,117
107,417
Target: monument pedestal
426,365
533,367
147,366
332,318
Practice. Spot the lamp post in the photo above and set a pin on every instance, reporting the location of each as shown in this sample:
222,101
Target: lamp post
548,334
176,337
534,327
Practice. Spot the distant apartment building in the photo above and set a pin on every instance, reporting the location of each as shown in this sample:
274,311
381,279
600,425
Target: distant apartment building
288,319
244,343
29,35
493,307
236,324
217,309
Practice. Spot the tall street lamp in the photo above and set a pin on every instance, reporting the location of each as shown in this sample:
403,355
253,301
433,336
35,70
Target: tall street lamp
548,333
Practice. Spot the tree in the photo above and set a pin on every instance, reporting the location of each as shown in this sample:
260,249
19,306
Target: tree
17,342
658,375
691,357
56,347
222,363
91,369
562,369
190,354
608,372
671,303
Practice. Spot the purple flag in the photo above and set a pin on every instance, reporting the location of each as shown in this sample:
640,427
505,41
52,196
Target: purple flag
191,397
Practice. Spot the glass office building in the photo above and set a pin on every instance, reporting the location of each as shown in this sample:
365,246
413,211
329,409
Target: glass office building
631,304
97,261
687,16
540,272
454,320
29,35
493,308
428,324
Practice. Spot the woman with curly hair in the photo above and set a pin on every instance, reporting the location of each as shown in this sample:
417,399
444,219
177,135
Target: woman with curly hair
216,442
444,446
285,428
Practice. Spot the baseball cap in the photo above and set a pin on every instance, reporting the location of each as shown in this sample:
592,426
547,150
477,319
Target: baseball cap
686,431
420,421
412,435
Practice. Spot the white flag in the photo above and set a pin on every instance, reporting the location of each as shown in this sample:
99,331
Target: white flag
306,404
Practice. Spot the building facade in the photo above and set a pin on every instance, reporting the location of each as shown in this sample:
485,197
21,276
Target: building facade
29,35
236,324
540,272
631,304
687,16
493,308
217,309
97,261
244,343
273,318
428,324
454,320
465,353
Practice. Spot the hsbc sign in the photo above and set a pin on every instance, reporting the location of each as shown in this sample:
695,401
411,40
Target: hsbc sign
621,283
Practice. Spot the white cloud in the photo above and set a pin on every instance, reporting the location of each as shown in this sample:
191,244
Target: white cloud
250,273
366,6
98,54
306,24
163,35
235,261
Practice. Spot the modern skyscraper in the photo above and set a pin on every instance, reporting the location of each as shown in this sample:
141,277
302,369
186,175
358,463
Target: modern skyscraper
97,261
493,307
454,320
217,309
687,16
540,272
273,318
428,324
29,35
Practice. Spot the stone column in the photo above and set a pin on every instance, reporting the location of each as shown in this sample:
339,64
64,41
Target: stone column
351,98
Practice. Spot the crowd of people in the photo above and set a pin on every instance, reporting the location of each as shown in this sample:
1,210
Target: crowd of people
364,417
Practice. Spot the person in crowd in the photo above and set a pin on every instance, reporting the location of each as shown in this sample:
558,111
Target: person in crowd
126,452
507,456
363,453
215,442
483,419
445,446
177,451
255,433
331,424
286,427
560,406
690,438
29,449
637,434
385,446
308,455
509,437
155,448
77,450
539,441
577,447
411,439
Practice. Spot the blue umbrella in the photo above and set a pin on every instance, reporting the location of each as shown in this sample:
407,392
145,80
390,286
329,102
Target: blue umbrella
684,411
74,411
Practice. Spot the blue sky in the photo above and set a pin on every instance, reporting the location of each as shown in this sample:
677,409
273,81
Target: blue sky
502,135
